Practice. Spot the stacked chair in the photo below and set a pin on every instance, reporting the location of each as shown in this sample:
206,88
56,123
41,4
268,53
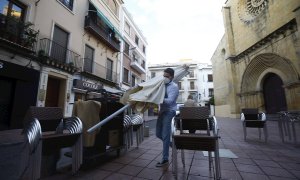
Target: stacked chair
252,119
31,159
287,125
21,152
138,127
204,139
58,132
128,132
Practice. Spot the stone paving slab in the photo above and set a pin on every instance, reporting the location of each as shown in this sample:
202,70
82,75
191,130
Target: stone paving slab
256,159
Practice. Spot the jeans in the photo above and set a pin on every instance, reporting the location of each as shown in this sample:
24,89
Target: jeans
163,130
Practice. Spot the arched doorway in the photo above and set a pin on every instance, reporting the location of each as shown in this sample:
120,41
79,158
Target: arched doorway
274,94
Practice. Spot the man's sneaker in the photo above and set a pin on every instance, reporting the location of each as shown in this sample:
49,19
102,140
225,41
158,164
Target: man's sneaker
160,164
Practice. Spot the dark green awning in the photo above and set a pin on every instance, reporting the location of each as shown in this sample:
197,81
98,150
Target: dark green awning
106,20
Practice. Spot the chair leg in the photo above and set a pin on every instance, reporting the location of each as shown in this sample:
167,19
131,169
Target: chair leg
209,160
294,132
174,159
288,130
259,133
182,157
266,133
217,164
281,129
138,136
131,136
245,131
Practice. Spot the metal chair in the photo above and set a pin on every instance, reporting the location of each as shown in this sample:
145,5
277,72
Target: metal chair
59,132
287,124
138,127
31,159
128,131
252,119
204,139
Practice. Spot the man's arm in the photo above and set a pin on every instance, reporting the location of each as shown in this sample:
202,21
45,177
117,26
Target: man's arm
172,94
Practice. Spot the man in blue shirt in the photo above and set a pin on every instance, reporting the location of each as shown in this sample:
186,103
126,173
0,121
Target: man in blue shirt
166,114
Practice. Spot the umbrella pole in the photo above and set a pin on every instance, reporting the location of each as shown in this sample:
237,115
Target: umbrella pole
97,126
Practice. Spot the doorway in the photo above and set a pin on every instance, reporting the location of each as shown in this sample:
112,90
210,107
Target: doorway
6,101
274,94
56,92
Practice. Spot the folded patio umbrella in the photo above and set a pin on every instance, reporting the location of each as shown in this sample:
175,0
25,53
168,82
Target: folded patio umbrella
145,94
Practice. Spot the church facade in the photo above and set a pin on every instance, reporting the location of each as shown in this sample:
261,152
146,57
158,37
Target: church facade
257,62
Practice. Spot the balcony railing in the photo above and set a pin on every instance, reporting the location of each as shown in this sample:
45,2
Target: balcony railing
59,54
102,32
17,32
99,70
134,64
88,65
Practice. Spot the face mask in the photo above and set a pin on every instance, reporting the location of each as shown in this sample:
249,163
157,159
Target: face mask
167,80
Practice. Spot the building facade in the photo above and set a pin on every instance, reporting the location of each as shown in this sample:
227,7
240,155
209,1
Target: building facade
198,82
133,56
53,52
256,63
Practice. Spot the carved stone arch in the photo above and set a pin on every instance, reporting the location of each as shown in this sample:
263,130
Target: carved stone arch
264,64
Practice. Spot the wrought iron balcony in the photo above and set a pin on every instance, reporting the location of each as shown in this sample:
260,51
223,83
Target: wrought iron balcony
17,35
58,56
98,70
95,26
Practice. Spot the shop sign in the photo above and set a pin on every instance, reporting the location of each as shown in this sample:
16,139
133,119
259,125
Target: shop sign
86,85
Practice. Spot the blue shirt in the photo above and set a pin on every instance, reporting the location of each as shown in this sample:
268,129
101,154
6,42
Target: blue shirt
169,103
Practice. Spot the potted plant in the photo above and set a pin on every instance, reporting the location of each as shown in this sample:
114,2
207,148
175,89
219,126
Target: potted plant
30,36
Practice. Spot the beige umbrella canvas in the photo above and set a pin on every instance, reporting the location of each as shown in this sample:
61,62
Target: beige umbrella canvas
145,95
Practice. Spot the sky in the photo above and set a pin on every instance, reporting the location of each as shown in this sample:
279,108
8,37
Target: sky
178,29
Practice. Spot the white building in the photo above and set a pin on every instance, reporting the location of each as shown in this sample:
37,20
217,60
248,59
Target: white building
198,83
133,52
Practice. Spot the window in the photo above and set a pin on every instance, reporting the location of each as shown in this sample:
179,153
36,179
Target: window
133,81
152,74
126,48
68,3
143,64
210,78
180,98
192,85
134,57
179,86
109,69
127,28
112,5
136,40
13,9
59,44
192,74
144,49
210,92
126,75
88,59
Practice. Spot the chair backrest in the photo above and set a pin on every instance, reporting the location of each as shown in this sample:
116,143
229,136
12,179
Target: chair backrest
73,125
137,119
49,117
194,118
250,113
127,122
33,133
